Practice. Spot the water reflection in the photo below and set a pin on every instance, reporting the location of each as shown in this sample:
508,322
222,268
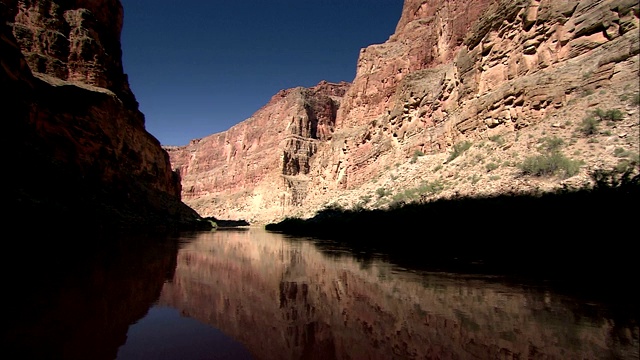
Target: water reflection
241,294
75,298
288,300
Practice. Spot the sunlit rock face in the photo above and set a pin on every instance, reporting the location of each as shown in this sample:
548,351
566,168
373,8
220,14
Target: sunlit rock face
452,71
77,41
261,166
307,304
462,70
81,136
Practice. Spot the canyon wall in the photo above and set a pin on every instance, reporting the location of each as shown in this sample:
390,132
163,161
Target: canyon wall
262,164
84,153
453,71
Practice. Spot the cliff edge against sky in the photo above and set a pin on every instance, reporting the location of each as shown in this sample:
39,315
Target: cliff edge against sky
83,155
453,104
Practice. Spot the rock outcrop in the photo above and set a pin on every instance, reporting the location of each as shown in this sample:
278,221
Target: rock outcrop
84,154
453,72
262,164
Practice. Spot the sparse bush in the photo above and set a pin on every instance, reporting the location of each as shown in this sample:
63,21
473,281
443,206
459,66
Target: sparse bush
458,149
551,144
433,187
589,126
415,156
491,166
382,192
438,167
626,165
497,139
554,163
586,92
624,175
620,152
399,198
609,115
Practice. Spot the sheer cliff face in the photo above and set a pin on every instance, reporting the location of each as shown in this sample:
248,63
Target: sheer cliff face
81,135
261,165
428,34
454,71
77,41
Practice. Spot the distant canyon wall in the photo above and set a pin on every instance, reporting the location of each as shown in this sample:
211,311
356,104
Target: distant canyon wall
452,71
81,136
263,163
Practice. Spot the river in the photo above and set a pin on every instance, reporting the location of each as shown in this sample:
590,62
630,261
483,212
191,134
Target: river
253,294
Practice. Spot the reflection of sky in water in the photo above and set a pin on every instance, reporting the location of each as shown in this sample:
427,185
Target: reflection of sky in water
164,334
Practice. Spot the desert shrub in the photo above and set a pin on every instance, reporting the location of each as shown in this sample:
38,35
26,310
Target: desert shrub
431,187
551,144
415,156
399,197
624,175
497,139
458,149
589,126
550,164
382,192
609,115
491,166
621,152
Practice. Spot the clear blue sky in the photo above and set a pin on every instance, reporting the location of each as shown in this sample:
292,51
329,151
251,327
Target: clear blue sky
198,67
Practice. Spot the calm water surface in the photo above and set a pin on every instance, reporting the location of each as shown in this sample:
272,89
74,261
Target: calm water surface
251,294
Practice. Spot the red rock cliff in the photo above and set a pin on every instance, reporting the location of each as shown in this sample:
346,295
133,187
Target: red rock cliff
264,162
81,138
454,71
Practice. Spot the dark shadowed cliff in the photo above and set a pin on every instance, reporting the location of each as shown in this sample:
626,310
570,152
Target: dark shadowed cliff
79,151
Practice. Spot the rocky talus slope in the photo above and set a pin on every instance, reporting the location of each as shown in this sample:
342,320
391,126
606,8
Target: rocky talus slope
466,98
82,152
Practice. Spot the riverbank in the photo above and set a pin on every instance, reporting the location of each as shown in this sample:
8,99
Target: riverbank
583,237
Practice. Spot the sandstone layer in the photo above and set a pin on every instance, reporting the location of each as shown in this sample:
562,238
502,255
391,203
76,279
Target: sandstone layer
84,153
264,162
500,76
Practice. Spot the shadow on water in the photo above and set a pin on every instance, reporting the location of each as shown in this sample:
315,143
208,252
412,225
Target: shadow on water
75,297
581,241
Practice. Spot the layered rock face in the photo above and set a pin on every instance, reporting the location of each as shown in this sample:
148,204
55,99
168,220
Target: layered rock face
83,147
453,71
263,163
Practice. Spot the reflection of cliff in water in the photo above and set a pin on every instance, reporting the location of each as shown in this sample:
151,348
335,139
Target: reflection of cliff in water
62,305
288,300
